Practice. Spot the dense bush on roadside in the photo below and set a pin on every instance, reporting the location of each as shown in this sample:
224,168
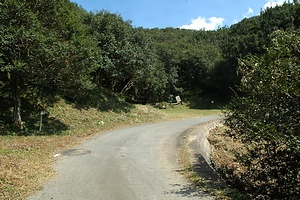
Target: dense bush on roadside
266,118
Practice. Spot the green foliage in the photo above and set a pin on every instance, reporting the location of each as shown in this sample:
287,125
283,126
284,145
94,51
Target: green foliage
43,55
250,36
129,63
20,47
54,47
189,58
150,76
266,117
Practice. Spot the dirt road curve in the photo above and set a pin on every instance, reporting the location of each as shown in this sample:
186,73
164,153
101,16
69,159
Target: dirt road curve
135,163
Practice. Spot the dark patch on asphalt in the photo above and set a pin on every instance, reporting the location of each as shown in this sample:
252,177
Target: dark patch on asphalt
75,152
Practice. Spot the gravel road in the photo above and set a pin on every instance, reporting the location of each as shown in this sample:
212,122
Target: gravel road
134,163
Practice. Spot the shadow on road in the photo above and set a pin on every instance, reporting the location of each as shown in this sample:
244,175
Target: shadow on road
188,191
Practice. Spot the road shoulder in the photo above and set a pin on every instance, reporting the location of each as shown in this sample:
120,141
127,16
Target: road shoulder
199,150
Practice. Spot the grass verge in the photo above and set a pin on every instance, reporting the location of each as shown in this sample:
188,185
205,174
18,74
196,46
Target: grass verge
26,161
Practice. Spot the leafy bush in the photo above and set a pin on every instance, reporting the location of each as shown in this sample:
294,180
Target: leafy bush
266,118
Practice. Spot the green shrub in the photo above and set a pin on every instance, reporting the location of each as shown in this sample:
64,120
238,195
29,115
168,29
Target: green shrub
266,116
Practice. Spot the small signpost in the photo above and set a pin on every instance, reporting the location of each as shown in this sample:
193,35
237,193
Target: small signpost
178,99
41,119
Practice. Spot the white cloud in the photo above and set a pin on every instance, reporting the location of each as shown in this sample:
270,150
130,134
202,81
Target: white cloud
273,3
249,13
202,23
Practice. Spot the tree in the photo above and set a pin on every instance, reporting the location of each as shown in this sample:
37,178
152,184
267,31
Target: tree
250,36
43,55
189,58
20,47
71,52
129,61
148,75
266,118
113,37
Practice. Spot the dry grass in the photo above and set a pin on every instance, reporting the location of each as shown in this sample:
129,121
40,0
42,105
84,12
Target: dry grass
223,150
26,161
256,180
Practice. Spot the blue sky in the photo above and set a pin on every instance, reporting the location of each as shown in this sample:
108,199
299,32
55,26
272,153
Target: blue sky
189,14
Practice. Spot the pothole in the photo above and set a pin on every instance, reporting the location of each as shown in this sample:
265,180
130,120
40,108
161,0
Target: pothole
75,152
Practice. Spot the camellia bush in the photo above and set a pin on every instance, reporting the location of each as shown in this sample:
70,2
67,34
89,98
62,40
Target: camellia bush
265,116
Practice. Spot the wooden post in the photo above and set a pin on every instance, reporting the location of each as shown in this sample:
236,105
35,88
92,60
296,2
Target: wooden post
41,120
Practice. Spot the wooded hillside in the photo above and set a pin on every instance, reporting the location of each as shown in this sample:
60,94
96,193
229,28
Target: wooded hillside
55,48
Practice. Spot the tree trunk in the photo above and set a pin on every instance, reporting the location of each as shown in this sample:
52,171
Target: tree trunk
127,86
17,120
